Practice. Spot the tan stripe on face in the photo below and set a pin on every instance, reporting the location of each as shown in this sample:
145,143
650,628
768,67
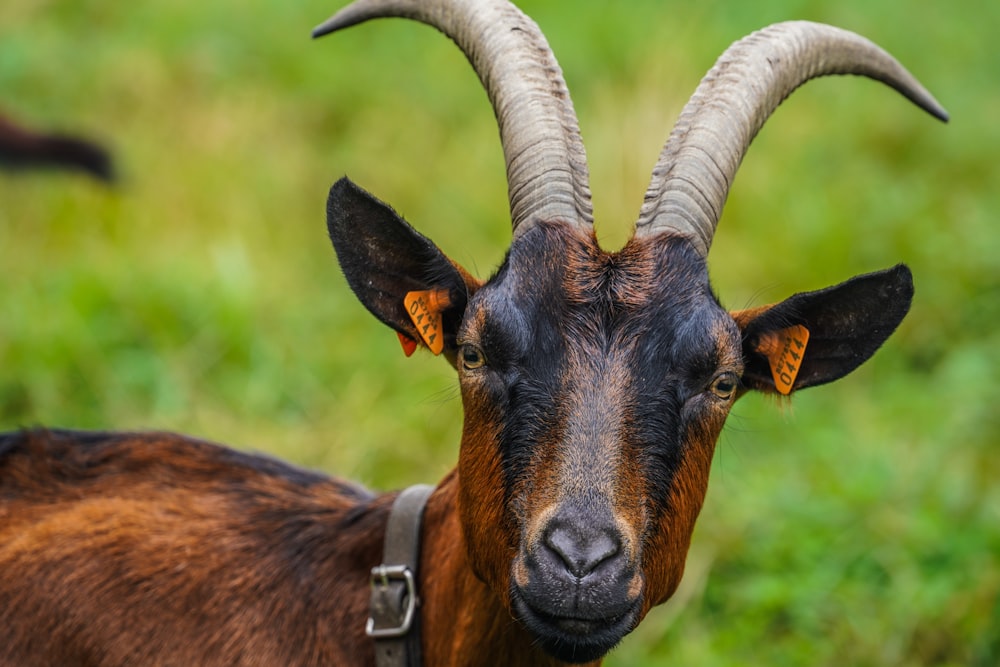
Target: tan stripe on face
589,458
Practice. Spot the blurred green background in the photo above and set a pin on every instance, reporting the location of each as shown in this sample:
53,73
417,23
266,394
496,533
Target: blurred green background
857,525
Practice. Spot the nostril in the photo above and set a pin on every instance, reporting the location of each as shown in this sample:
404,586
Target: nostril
582,551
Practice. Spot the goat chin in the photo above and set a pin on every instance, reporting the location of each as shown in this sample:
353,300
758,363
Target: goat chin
577,638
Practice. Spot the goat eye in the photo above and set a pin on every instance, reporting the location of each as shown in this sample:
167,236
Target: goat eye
724,385
472,357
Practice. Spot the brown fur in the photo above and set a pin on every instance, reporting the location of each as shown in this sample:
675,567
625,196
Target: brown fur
160,550
157,549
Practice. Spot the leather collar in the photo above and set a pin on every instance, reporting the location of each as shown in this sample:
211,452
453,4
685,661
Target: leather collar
394,610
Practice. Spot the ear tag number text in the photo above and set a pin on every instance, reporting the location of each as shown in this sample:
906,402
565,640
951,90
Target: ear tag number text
425,308
785,351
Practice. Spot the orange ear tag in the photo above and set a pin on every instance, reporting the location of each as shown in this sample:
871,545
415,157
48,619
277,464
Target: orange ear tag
785,349
425,308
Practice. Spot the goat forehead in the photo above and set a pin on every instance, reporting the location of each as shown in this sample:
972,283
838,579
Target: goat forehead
557,286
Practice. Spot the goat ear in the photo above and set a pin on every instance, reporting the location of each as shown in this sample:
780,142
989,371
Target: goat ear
384,259
847,323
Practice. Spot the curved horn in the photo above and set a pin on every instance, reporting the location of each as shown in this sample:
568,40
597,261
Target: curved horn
692,177
547,174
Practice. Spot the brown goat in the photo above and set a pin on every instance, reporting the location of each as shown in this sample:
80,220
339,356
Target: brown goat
23,148
594,385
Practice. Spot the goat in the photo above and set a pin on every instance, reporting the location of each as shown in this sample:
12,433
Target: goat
594,385
22,148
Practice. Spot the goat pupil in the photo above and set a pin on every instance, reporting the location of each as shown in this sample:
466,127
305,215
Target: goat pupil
724,386
471,357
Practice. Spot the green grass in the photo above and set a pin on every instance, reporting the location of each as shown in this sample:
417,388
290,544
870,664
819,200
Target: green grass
858,525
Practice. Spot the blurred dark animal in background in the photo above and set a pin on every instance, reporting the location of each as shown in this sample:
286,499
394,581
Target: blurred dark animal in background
24,148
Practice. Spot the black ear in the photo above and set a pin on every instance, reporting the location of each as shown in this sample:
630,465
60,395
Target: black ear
847,323
384,258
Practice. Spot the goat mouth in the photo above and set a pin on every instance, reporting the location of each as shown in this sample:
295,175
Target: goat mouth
576,639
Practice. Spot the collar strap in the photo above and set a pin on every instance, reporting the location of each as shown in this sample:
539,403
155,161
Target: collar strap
394,618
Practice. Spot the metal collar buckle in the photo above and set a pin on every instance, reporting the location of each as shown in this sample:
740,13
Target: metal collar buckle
381,577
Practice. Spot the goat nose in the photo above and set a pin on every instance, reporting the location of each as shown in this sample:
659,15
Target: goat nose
582,549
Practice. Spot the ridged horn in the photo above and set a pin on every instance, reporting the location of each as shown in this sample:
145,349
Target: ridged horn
699,161
547,177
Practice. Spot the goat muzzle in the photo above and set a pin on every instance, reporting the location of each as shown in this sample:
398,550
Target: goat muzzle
577,587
